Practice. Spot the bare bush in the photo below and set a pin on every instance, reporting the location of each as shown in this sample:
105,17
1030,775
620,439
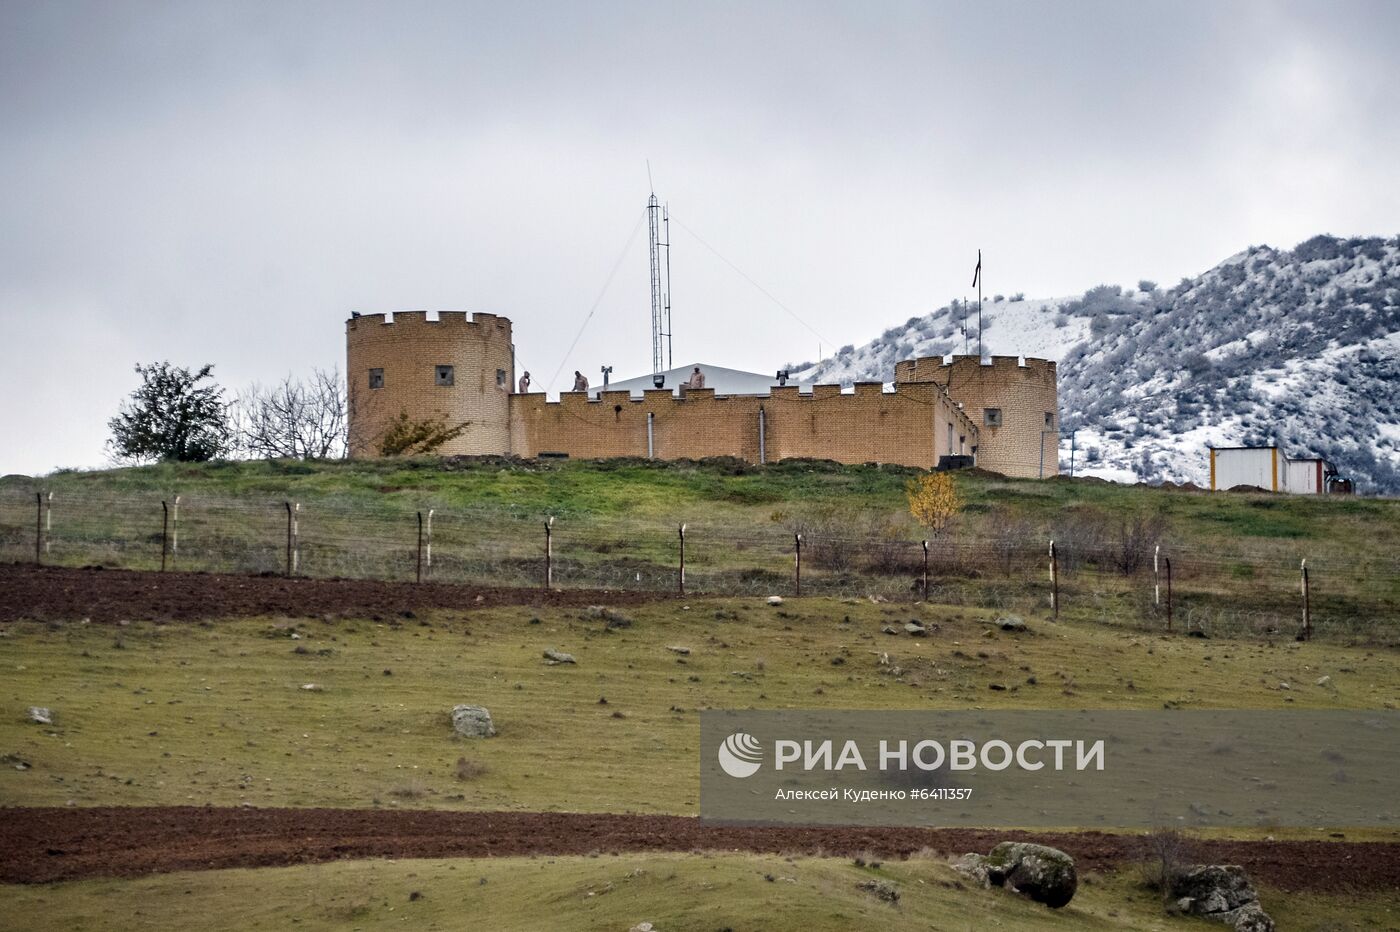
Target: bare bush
889,549
1008,534
1136,537
1164,854
413,789
823,533
469,769
1092,535
1079,534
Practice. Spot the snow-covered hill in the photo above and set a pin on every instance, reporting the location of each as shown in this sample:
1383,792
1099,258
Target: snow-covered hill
1301,347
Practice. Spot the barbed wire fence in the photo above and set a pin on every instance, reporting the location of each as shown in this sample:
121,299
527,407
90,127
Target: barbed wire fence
1172,588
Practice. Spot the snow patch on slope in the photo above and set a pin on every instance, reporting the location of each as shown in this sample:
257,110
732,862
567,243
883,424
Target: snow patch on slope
1297,347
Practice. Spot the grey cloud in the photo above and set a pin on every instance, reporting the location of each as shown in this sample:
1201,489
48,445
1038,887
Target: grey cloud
225,181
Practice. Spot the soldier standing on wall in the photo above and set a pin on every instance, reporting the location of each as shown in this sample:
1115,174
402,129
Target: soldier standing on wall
580,381
696,380
525,383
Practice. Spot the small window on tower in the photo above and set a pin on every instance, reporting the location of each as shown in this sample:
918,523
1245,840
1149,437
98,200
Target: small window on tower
1049,418
443,375
500,378
991,417
376,378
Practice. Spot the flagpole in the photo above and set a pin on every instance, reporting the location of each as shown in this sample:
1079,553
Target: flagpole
977,280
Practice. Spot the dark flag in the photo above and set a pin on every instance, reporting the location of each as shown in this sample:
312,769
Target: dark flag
977,273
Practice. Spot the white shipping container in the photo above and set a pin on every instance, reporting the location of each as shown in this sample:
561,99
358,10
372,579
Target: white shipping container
1256,466
1304,477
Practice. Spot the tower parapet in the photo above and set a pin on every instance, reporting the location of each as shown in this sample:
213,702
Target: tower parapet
1013,400
459,368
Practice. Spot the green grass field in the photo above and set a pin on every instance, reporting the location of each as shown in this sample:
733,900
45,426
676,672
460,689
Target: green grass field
177,714
667,493
1236,557
674,892
150,713
215,713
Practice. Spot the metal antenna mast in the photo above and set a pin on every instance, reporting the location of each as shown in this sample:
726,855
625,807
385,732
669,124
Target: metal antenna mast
666,222
657,218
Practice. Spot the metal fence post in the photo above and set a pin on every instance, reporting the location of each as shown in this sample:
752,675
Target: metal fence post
1157,575
1054,582
292,544
797,562
48,523
38,528
549,553
428,547
1307,607
1169,594
680,582
925,581
418,564
164,532
175,529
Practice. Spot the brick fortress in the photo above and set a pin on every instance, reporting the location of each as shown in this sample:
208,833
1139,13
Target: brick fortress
1002,411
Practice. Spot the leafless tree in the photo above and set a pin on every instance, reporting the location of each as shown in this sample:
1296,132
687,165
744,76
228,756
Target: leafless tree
1164,855
1137,535
294,419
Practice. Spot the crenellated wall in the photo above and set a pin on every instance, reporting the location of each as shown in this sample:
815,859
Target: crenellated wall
1026,443
908,427
937,409
408,348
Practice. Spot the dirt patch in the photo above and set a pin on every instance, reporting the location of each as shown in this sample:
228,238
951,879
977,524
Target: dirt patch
105,595
42,845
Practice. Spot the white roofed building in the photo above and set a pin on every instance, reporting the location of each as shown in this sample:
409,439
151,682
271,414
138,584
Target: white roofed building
723,381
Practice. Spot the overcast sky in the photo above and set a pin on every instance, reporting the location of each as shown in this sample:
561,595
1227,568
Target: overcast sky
226,182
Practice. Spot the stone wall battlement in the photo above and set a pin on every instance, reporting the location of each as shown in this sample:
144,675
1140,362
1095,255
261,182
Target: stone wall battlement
460,368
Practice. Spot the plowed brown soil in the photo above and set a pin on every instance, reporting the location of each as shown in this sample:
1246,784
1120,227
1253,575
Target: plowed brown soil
43,845
104,595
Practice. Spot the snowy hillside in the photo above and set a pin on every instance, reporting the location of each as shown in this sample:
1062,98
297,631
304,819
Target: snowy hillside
1301,347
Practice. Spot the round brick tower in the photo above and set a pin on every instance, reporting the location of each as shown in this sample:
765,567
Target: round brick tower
456,368
1014,402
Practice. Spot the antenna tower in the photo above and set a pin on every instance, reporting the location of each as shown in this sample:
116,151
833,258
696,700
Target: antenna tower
659,224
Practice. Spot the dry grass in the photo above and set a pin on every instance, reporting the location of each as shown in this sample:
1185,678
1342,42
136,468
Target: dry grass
467,770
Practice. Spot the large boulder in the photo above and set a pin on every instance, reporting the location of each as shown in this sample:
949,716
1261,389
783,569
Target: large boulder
1012,623
1221,892
1042,873
472,721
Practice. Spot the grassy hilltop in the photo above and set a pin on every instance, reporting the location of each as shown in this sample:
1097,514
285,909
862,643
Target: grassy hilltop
741,495
1235,557
216,710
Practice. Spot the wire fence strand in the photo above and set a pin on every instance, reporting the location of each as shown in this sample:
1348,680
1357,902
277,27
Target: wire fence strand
1246,591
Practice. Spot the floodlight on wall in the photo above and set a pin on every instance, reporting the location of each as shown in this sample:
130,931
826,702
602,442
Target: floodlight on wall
659,380
783,376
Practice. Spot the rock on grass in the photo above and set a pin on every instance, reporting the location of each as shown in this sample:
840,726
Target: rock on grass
1042,873
472,721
